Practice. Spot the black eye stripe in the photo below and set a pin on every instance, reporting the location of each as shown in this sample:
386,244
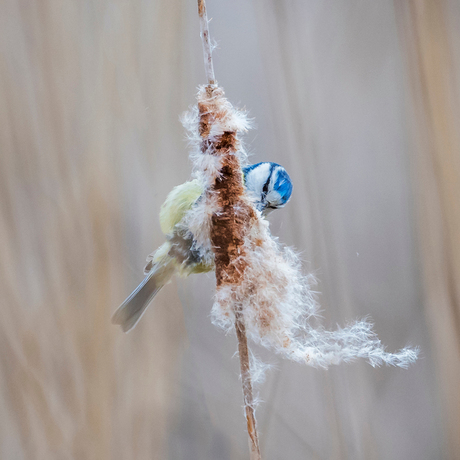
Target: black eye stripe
265,189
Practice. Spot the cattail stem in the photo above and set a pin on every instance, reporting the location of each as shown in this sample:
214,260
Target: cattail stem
243,352
207,52
230,225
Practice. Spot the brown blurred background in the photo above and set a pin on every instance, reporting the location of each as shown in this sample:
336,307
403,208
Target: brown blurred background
358,100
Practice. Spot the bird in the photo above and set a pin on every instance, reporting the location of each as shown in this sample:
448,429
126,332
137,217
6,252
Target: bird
267,184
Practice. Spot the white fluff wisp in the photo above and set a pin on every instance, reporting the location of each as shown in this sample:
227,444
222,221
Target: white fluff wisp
276,298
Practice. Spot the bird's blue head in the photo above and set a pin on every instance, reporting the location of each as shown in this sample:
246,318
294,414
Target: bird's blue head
269,184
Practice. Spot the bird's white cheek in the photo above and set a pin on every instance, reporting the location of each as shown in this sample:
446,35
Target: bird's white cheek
273,198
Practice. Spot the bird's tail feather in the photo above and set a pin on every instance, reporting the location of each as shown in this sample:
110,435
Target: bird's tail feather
131,310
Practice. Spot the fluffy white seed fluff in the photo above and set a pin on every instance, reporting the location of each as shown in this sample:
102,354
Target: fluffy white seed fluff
277,299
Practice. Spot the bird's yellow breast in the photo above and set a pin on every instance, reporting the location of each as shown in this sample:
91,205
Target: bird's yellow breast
177,203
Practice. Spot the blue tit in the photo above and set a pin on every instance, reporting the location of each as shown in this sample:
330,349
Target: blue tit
268,184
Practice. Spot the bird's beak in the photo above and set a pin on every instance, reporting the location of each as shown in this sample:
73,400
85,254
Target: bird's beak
267,210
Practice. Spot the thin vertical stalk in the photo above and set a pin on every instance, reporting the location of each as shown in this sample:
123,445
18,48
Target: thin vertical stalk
243,352
207,51
227,228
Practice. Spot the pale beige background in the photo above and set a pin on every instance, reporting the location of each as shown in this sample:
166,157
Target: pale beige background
358,100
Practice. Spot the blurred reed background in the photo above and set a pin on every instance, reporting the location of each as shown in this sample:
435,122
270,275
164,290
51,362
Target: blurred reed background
358,100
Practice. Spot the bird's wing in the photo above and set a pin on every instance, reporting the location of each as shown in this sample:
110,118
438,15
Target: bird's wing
178,202
132,309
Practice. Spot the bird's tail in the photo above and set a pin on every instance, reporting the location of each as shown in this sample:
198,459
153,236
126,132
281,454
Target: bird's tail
131,310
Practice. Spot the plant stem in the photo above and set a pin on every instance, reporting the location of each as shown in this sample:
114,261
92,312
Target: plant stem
243,352
228,227
207,52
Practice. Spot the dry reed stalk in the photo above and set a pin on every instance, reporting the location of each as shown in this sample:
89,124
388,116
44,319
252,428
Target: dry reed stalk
207,52
428,47
230,224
